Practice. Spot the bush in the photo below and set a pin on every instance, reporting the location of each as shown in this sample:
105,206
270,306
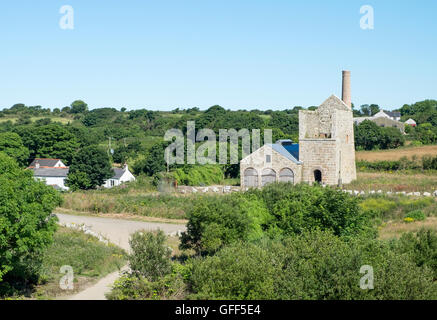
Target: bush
416,215
302,207
199,175
422,247
242,271
170,287
276,210
426,163
150,257
313,265
26,223
378,205
217,221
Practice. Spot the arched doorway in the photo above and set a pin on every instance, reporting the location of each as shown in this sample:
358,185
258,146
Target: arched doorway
268,176
318,176
286,175
250,178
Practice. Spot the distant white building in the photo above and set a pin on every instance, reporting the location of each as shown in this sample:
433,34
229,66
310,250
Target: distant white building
120,176
54,172
411,122
394,115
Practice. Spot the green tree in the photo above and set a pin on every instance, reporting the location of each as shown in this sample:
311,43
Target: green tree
78,106
49,141
12,145
89,169
367,135
154,161
26,223
216,222
391,138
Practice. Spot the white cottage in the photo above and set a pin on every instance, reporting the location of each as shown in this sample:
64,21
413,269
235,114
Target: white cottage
120,176
52,171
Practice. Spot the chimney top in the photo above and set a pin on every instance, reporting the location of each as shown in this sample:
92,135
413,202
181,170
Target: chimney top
346,93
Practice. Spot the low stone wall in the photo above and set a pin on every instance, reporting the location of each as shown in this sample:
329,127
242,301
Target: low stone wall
408,194
209,189
229,189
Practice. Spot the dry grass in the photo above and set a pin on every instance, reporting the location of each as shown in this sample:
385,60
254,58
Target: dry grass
396,154
396,181
395,229
151,205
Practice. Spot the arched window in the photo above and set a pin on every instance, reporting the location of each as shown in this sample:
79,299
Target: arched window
318,176
268,176
286,175
250,178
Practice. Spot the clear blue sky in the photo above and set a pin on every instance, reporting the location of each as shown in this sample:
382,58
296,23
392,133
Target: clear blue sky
235,53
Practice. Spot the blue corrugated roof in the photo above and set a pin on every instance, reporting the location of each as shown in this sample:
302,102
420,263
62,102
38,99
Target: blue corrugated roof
293,149
290,152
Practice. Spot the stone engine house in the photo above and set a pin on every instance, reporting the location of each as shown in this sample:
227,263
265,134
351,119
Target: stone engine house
325,152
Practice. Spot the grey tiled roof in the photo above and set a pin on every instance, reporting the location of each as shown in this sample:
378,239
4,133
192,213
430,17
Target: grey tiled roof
50,172
44,162
393,113
117,173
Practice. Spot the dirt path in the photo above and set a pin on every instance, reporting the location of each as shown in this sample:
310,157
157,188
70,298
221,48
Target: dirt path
118,232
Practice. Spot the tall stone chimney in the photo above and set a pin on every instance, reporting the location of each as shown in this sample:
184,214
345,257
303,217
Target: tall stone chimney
346,94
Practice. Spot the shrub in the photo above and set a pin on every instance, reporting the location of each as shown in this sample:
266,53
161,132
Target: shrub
217,221
242,271
422,247
199,175
26,223
169,287
416,215
276,210
302,207
415,204
313,265
322,266
378,205
429,163
150,257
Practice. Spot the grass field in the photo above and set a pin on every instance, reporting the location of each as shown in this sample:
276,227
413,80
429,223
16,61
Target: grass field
89,258
396,154
33,119
396,181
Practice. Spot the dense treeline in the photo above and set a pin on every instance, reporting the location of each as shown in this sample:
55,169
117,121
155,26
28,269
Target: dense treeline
136,136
